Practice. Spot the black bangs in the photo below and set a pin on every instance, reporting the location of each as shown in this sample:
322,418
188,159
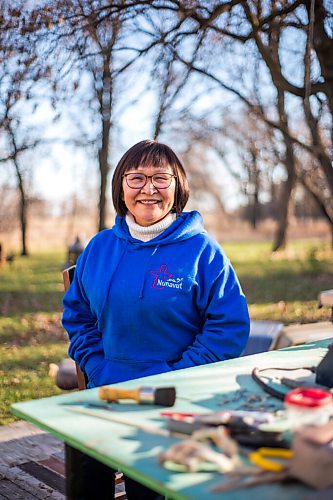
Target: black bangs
152,154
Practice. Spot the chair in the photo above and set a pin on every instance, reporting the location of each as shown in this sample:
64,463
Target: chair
68,275
264,336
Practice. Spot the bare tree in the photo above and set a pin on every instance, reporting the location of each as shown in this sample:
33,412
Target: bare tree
195,147
254,144
311,177
97,40
83,42
238,48
19,73
267,25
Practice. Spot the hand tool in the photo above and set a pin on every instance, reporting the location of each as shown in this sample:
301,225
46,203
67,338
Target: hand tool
222,417
240,481
244,433
258,377
163,396
150,429
271,459
88,404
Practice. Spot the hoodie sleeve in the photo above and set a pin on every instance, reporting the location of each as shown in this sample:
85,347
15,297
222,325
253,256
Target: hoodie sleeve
86,346
226,323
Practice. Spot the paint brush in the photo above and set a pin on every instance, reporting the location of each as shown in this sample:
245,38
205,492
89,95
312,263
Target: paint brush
162,396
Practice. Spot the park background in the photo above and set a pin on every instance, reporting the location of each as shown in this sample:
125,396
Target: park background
241,90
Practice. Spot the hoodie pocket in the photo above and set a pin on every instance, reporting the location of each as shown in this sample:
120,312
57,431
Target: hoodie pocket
111,371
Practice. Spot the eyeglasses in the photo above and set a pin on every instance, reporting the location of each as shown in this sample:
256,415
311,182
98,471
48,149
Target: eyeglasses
138,181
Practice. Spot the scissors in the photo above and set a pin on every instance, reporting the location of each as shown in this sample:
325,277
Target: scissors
271,459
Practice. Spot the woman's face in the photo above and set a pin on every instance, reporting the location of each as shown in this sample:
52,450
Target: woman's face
149,204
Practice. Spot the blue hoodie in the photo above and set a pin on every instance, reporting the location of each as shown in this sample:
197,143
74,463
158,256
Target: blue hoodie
139,308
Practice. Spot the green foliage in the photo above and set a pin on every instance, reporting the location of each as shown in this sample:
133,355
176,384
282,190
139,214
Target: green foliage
281,287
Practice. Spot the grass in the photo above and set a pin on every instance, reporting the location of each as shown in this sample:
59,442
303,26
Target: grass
30,332
282,287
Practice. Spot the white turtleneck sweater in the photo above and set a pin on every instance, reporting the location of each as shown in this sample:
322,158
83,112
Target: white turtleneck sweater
147,233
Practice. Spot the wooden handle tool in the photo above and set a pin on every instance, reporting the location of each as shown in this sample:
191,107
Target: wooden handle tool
163,396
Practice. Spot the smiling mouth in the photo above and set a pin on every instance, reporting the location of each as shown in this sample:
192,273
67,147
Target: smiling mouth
148,202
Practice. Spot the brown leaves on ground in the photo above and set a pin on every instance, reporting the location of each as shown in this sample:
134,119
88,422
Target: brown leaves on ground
36,328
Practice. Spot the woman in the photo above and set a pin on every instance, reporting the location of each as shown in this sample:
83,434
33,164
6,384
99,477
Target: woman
155,293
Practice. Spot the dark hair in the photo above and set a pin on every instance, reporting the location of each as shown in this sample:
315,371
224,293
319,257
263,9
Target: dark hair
149,153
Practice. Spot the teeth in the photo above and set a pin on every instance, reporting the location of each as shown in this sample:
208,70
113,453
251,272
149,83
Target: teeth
148,202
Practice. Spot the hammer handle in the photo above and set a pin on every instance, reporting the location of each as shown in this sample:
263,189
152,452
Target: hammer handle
112,394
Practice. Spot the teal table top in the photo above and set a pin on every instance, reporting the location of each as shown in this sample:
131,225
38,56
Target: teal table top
219,386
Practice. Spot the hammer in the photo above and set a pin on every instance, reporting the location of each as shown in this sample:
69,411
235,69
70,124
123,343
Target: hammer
163,396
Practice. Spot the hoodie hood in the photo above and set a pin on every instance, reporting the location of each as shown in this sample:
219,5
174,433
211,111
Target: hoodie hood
187,225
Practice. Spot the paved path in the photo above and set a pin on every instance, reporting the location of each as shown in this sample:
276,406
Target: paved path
31,463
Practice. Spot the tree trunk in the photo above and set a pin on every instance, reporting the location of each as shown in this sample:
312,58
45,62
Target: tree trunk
105,100
318,146
255,209
288,187
104,171
22,210
280,238
323,45
321,205
158,124
254,172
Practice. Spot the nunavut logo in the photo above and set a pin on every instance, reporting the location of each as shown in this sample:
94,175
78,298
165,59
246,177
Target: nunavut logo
164,279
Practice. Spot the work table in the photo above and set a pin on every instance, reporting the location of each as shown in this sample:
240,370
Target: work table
219,386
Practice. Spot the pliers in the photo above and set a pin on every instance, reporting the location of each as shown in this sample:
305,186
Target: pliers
272,466
271,459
